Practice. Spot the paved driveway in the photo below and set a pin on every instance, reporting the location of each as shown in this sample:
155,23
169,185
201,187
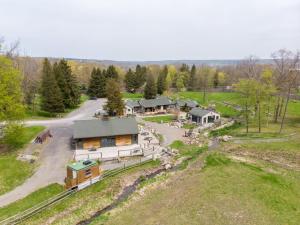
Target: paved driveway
170,134
55,154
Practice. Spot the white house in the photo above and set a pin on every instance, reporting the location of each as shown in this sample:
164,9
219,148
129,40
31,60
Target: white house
203,116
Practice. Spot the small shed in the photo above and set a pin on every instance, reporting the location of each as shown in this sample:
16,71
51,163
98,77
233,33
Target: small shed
82,174
203,116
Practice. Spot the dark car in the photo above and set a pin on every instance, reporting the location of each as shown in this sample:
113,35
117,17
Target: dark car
93,98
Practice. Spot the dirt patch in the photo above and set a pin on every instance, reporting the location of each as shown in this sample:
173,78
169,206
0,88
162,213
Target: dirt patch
286,160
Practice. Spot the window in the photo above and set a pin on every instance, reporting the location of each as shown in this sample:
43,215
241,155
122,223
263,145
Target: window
108,142
88,172
134,139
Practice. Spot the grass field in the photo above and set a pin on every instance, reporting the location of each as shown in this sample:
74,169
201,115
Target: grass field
128,95
224,192
216,98
12,171
31,200
231,97
159,119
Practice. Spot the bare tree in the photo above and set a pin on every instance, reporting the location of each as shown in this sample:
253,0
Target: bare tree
286,71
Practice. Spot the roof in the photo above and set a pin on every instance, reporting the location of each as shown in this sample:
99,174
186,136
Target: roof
82,164
188,103
200,112
104,128
132,103
159,101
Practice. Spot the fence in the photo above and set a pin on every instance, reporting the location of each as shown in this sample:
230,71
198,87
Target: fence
108,154
18,218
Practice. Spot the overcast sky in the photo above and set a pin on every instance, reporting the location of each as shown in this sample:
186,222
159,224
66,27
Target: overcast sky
151,29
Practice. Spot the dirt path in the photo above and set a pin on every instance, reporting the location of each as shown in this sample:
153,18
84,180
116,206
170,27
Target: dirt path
55,154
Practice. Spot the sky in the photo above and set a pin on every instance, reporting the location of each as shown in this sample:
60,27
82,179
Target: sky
151,29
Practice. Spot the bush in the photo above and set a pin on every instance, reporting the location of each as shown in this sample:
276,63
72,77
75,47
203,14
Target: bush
12,134
225,130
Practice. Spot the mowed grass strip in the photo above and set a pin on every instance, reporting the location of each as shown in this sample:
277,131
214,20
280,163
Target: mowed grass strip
224,192
160,119
30,201
14,172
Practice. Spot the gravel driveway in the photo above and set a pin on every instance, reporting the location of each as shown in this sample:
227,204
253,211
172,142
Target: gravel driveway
55,154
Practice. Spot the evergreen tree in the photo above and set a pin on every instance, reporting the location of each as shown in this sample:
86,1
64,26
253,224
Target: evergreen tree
150,88
115,104
192,79
216,79
130,81
92,89
67,83
101,89
111,72
161,81
97,84
52,100
140,75
184,68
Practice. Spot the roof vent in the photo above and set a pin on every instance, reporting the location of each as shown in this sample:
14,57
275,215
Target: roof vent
87,162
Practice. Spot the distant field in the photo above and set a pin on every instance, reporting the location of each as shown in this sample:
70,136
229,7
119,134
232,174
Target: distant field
224,192
12,171
231,97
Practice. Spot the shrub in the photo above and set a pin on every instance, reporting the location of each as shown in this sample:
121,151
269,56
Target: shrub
12,134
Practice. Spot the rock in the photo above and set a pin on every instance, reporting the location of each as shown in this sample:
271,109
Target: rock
175,151
205,134
168,166
226,138
156,156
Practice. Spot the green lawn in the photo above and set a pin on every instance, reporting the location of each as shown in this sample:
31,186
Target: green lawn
231,97
216,98
12,171
159,119
224,192
132,95
31,200
38,113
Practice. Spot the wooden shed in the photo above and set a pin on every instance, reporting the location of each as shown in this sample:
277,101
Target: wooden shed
82,174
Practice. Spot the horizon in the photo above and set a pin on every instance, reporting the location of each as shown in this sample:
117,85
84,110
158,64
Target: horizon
132,30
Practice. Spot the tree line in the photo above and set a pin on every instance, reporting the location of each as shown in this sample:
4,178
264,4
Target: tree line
266,90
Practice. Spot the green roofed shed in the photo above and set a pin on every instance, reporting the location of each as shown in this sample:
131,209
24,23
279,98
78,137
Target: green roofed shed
82,164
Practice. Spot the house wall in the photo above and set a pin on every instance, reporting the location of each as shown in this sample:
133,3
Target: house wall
91,143
120,140
123,140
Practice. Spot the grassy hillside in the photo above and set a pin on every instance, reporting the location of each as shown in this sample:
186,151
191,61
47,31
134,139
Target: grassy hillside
224,192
